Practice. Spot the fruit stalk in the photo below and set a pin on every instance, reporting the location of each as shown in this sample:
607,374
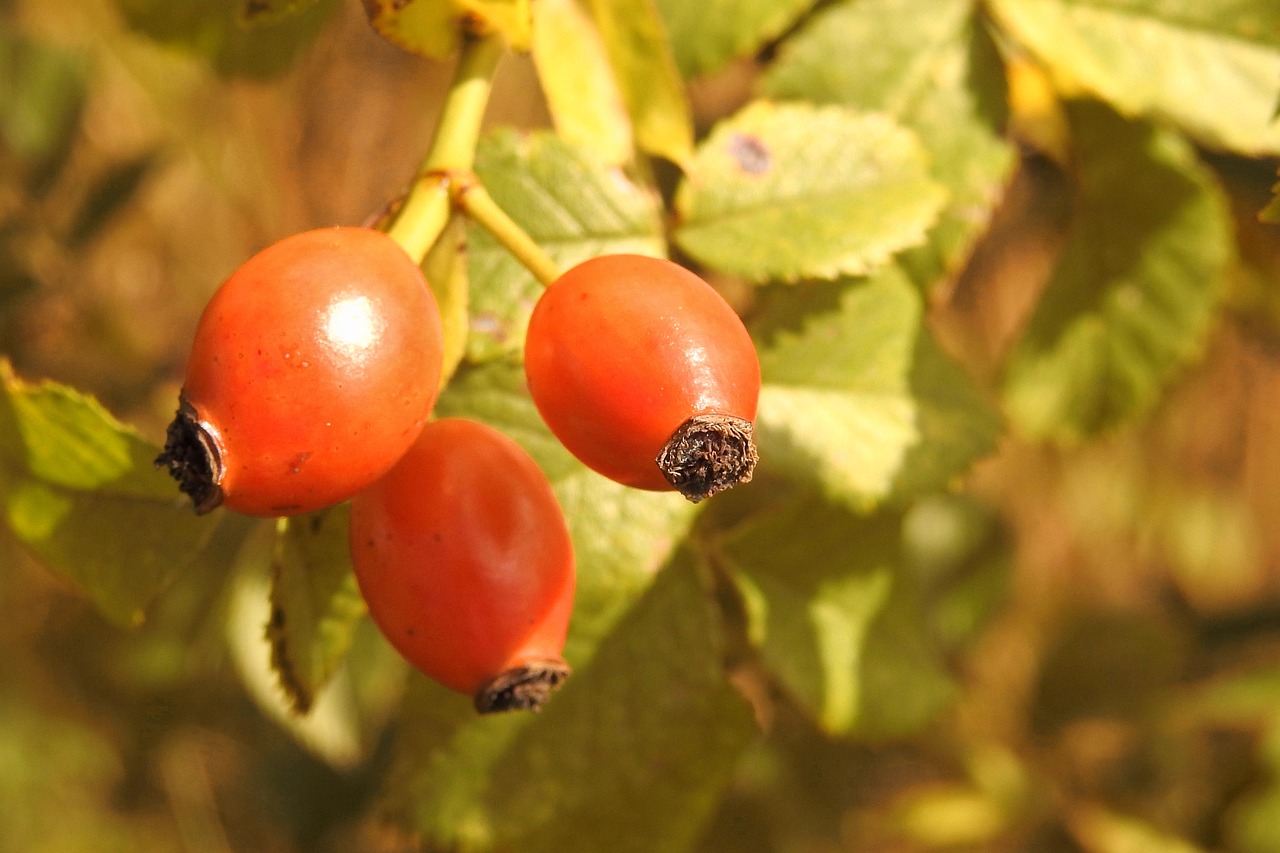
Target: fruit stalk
472,198
426,209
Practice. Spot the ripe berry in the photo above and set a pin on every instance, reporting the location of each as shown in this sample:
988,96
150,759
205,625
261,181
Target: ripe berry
645,374
464,558
313,369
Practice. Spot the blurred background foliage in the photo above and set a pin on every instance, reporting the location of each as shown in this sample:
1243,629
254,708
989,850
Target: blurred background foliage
1109,611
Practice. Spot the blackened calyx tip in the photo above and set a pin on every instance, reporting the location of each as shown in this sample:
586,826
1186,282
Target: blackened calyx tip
522,688
709,454
191,456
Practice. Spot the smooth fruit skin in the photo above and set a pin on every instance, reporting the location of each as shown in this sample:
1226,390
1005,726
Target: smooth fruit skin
314,367
464,558
623,349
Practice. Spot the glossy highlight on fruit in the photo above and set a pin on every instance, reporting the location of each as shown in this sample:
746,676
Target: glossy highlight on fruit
463,556
314,367
644,372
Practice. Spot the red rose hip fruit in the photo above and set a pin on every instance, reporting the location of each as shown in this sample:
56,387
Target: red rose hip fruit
644,372
313,369
464,559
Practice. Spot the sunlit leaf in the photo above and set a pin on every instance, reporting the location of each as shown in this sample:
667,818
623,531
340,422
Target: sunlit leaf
435,28
315,604
1134,293
784,191
933,67
1210,66
1211,541
574,205
858,398
708,35
582,95
1097,828
1037,118
837,620
647,75
950,815
80,491
632,753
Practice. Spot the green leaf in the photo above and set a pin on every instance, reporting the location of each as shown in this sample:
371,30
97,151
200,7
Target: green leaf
495,393
574,205
315,603
789,191
837,619
259,12
40,104
647,76
859,399
79,490
342,726
435,28
212,29
1135,290
632,753
446,270
707,36
956,422
962,560
583,96
1209,66
933,67
876,55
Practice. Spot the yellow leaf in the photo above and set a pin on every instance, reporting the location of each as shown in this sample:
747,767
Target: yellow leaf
435,29
646,72
573,67
1035,111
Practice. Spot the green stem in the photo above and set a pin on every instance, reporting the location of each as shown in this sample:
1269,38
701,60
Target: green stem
423,217
473,199
454,147
426,208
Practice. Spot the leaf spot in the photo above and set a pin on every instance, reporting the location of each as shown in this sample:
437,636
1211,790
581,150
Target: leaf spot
750,153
